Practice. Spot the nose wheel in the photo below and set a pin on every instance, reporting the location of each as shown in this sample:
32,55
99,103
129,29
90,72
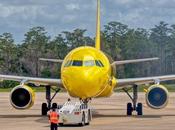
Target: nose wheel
134,106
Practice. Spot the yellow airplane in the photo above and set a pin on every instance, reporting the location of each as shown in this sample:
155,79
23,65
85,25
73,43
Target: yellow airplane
88,73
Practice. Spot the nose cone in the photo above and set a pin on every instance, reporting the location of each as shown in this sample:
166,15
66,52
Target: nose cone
83,82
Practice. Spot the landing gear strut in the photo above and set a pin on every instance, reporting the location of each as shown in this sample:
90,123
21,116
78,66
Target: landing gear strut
47,106
134,106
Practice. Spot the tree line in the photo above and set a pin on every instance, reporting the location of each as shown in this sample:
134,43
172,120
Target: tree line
118,41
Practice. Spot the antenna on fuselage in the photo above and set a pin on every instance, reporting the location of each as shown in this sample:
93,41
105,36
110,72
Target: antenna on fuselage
98,24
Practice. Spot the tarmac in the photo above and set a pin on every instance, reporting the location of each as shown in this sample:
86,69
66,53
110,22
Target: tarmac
108,114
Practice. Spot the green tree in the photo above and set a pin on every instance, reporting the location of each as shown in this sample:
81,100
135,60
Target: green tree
137,45
8,54
76,39
113,37
160,37
33,48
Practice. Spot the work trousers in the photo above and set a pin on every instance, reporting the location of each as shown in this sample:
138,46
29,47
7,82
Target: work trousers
53,126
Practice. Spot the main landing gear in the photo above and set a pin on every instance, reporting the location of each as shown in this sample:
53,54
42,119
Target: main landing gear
47,106
134,106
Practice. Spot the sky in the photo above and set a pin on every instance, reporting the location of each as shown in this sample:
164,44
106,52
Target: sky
18,16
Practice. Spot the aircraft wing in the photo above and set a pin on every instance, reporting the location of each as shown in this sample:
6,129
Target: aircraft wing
38,81
124,83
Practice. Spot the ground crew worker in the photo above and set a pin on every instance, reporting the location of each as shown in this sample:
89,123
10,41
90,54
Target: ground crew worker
53,118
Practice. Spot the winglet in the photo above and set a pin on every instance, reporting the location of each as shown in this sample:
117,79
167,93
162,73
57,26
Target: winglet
98,24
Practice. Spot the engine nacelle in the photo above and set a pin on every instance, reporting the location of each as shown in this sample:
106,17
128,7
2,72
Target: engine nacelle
157,97
22,97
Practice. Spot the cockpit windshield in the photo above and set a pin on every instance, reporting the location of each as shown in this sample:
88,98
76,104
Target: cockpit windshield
87,63
77,63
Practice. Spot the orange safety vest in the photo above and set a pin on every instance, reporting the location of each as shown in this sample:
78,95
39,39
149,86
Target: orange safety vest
54,117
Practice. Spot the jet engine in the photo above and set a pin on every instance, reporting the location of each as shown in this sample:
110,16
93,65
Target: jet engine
157,97
22,97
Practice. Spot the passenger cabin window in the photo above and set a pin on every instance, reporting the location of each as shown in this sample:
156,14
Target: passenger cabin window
89,63
77,63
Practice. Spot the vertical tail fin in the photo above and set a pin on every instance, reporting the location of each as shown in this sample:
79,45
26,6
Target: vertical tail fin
98,38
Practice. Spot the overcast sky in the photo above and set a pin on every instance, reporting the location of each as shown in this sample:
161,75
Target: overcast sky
17,16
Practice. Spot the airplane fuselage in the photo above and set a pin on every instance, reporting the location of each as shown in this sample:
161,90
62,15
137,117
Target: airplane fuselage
87,73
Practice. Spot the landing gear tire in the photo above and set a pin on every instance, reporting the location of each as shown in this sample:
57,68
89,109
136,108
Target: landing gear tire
44,109
89,117
83,120
129,109
139,109
61,124
54,105
60,106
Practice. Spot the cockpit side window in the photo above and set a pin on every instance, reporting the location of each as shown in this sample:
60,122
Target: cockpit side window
77,63
68,63
99,63
89,63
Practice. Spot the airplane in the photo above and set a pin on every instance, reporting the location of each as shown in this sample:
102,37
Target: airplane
88,73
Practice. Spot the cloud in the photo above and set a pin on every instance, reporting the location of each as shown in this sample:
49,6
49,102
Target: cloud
17,16
72,7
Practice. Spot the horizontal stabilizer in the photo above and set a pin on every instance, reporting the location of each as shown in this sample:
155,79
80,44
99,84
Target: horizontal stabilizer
134,61
51,60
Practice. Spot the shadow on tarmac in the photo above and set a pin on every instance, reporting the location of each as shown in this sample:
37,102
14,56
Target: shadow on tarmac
71,126
133,116
19,116
45,120
95,115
